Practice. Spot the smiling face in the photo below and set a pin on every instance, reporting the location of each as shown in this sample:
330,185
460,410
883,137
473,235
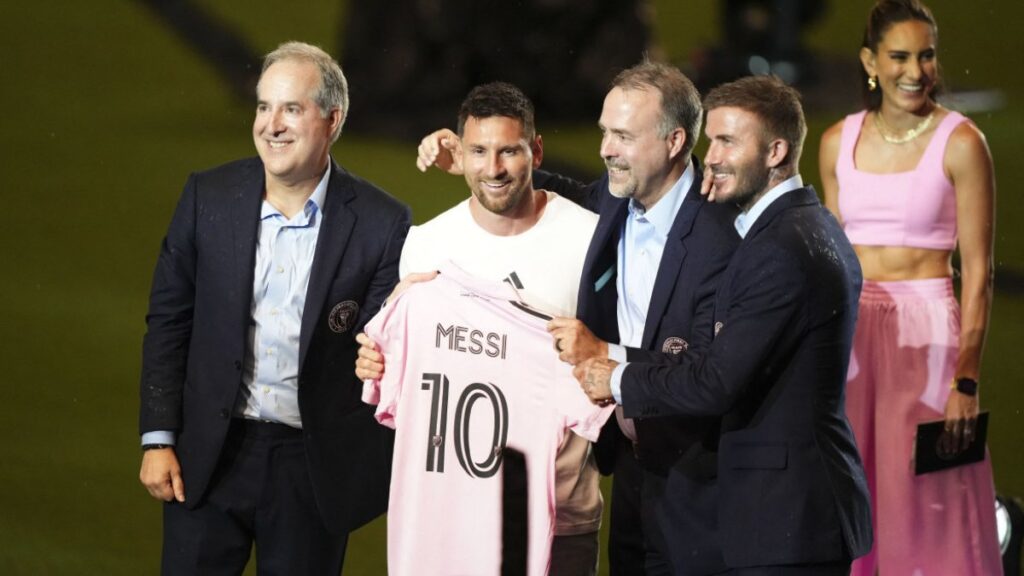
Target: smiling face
906,65
737,156
498,161
639,159
292,136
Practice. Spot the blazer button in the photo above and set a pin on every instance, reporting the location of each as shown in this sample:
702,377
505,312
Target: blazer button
225,413
238,364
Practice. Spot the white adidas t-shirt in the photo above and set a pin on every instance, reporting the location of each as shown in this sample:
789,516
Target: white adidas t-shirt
547,258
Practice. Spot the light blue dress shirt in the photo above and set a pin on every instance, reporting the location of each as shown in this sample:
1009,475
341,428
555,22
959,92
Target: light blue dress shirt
640,248
284,260
743,223
639,254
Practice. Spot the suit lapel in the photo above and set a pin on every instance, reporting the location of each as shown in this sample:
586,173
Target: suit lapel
246,200
672,260
335,230
600,269
605,243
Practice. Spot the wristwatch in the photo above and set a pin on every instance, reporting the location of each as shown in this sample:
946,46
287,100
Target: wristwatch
156,446
967,386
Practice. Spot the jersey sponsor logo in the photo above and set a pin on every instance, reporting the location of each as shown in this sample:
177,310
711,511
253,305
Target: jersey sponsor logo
471,341
343,316
490,462
674,345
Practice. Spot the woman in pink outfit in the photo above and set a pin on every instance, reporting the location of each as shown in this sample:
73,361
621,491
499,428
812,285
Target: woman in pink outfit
911,182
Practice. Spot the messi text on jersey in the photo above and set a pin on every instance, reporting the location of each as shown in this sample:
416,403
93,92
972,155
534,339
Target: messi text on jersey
471,340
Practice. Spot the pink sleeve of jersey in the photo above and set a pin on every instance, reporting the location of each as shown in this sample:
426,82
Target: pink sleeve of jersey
581,415
387,329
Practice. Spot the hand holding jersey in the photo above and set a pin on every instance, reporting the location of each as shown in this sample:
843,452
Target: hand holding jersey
575,342
369,362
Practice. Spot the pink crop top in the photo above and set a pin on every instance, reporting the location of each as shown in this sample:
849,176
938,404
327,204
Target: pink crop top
916,209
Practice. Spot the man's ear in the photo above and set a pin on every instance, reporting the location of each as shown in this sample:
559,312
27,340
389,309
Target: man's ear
778,153
676,142
335,120
537,148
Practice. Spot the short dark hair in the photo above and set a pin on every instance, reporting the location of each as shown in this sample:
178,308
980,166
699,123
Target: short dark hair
771,100
680,100
498,99
884,15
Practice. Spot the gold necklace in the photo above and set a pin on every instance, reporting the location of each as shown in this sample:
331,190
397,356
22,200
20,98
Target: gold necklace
886,132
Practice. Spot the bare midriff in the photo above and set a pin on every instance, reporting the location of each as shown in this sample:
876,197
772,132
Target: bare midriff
895,263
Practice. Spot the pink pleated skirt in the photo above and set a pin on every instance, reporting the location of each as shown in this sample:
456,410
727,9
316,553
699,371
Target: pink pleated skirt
904,358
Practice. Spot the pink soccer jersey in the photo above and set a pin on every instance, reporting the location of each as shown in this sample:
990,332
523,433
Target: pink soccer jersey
470,372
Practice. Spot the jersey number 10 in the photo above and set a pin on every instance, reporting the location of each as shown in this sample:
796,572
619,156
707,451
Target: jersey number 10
438,385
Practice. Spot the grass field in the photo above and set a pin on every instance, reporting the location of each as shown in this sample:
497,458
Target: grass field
107,113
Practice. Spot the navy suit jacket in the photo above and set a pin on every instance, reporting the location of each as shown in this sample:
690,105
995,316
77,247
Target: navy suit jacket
199,316
791,485
700,243
680,451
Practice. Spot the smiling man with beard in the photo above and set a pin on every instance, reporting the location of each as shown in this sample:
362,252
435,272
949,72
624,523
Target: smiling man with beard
536,241
506,228
646,295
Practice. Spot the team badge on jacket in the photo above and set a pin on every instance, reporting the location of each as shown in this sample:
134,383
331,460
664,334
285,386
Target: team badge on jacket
343,316
674,345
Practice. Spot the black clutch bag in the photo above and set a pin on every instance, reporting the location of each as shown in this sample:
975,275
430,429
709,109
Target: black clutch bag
928,455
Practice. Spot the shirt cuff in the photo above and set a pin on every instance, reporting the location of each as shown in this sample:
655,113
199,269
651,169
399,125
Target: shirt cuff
617,352
616,383
158,437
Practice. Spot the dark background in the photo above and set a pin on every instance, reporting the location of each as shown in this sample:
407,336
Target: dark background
106,109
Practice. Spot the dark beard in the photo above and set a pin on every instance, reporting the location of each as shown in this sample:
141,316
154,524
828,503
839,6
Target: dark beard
506,205
750,189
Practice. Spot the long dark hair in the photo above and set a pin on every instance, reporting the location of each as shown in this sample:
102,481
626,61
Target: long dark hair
884,15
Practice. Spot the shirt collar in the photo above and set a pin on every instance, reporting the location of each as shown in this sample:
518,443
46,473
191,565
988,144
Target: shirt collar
663,214
745,221
314,203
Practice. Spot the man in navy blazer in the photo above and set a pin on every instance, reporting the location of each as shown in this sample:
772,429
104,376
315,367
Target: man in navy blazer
252,425
792,493
648,283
